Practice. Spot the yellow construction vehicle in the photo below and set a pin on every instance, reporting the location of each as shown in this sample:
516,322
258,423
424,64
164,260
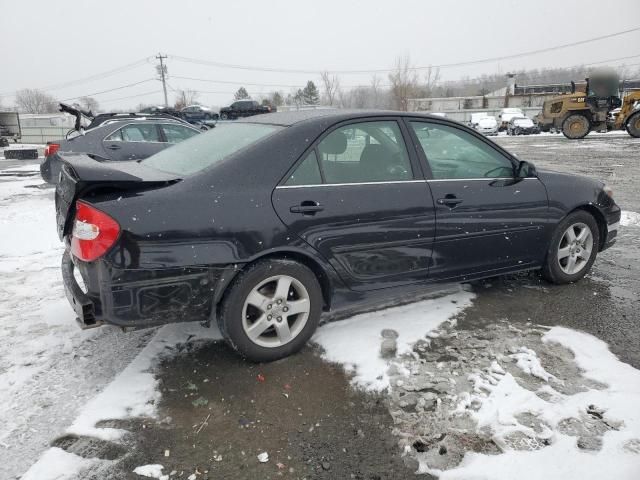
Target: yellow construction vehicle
588,106
629,115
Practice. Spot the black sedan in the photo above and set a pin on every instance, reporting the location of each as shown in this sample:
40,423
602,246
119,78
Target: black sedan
263,224
126,138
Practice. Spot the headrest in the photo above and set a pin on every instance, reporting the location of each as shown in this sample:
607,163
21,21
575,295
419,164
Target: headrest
334,144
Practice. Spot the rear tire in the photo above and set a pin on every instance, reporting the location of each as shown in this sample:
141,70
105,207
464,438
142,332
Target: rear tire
633,125
573,248
576,126
271,310
224,116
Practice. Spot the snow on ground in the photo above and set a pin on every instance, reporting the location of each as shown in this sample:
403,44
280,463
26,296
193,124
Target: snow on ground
50,370
630,219
56,464
151,471
47,364
559,456
355,342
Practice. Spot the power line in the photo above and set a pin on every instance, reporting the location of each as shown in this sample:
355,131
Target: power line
96,76
384,70
110,90
131,96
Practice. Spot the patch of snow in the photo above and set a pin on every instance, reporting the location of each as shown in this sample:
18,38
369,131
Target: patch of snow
355,342
527,361
630,219
134,392
56,464
562,458
151,471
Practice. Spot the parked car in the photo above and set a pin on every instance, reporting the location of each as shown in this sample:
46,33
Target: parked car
475,118
487,125
507,114
521,126
203,231
244,108
117,138
198,114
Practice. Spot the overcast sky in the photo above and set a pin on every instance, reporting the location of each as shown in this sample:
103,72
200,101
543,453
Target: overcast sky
50,42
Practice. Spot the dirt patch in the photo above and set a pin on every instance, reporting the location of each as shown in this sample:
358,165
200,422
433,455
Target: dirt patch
218,413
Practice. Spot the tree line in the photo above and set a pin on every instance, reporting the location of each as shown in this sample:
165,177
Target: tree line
391,91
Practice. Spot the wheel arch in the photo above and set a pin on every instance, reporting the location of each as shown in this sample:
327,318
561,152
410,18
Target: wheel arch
600,219
319,270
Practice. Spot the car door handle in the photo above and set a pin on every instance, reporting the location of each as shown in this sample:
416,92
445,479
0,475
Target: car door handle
449,200
114,147
307,207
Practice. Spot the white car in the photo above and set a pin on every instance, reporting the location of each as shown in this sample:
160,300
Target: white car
506,114
487,125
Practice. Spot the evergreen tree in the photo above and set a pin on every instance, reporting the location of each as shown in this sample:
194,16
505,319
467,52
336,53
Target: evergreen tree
310,94
241,94
276,99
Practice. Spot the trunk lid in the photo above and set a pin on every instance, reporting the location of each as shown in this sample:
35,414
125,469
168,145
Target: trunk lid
81,175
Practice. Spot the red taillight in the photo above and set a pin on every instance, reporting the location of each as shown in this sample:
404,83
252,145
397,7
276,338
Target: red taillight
94,232
50,149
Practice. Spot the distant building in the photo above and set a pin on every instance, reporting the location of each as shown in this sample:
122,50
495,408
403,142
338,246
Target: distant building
529,98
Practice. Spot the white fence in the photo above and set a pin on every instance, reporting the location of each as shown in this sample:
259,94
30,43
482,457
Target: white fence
42,135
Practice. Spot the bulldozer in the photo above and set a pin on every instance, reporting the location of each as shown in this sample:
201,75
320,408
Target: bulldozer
588,108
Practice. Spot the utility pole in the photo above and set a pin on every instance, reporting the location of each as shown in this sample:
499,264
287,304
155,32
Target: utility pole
162,76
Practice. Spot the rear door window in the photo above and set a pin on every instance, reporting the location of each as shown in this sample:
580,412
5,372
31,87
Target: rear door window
177,133
147,132
307,173
365,152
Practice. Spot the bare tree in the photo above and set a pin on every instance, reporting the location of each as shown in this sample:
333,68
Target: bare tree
375,91
404,83
432,77
35,101
331,87
185,98
89,104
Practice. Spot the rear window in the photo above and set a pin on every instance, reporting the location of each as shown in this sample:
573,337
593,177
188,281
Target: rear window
209,148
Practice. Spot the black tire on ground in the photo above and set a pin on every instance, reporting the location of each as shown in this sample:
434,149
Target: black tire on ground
224,116
551,270
576,126
4,142
230,315
633,125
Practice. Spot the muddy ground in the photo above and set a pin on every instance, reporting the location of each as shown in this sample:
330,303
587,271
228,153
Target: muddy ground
219,413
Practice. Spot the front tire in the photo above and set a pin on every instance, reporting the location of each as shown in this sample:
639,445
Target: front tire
271,310
633,125
224,116
576,126
573,248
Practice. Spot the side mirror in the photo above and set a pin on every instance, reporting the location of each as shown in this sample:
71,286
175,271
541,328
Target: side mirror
525,170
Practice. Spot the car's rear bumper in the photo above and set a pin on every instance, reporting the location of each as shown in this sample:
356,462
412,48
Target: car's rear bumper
142,297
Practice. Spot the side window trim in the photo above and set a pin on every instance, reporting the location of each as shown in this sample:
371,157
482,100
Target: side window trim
423,156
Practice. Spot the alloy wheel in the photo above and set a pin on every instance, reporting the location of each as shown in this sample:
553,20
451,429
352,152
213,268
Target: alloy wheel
574,250
276,311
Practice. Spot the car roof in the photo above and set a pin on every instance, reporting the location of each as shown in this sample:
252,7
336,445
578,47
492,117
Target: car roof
288,119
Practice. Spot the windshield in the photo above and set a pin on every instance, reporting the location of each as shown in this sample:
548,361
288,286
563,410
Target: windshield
209,148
